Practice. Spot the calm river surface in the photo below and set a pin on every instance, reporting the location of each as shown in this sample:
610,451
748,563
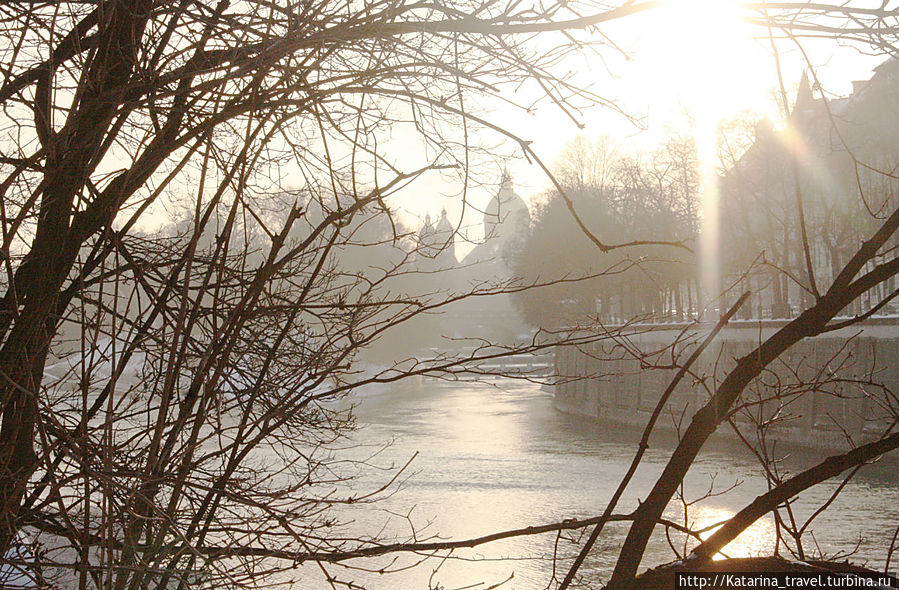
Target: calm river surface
498,456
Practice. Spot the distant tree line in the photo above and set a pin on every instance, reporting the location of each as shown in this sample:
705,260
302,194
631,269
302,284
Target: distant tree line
624,198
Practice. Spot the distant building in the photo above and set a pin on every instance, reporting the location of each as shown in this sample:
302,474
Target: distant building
436,244
506,222
828,155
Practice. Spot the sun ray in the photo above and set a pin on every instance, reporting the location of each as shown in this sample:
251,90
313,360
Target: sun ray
700,59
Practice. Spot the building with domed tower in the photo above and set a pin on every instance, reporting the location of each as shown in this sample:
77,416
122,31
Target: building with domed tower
436,244
506,223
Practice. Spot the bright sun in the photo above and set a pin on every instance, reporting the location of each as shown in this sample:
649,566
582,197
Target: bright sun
699,63
699,57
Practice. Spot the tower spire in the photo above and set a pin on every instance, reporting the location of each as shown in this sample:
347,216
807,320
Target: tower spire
804,97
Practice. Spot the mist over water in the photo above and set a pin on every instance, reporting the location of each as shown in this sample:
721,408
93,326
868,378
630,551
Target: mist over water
498,456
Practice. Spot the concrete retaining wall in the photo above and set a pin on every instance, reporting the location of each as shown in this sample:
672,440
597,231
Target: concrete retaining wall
818,394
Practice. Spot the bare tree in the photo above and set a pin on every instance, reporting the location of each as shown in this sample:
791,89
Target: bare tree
164,395
150,378
624,199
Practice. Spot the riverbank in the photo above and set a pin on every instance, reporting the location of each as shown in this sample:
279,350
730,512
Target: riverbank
819,395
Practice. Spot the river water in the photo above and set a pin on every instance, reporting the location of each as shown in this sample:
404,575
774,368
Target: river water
495,456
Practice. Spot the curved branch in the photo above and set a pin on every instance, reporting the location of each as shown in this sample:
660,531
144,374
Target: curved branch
830,467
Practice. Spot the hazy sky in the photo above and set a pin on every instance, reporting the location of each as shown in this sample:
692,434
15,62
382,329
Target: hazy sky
692,63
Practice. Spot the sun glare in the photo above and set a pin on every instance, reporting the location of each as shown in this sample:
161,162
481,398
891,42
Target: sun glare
756,540
700,57
699,63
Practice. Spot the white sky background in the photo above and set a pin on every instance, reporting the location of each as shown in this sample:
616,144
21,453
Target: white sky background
693,63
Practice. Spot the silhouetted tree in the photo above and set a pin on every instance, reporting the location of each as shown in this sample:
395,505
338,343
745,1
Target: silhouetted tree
148,379
624,199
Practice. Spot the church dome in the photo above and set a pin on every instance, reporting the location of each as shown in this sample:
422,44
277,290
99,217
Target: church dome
428,240
435,241
506,214
444,226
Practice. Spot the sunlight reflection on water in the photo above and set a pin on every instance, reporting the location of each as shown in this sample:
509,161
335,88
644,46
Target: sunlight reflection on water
758,539
493,458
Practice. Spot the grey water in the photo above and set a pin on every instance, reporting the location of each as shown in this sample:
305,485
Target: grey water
497,456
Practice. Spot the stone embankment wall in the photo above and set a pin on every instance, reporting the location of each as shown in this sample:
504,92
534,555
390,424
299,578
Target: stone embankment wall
819,394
